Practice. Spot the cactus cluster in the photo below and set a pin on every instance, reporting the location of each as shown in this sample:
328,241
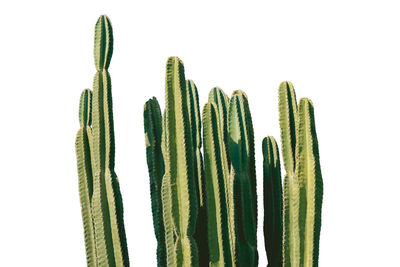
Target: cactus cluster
205,212
99,191
216,195
202,175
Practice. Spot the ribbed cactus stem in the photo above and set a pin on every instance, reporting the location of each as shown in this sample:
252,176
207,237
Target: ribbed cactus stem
241,151
218,97
85,175
272,202
288,117
200,234
106,202
179,164
155,163
217,183
308,172
303,181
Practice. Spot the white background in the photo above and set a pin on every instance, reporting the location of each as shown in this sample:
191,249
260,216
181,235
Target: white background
344,55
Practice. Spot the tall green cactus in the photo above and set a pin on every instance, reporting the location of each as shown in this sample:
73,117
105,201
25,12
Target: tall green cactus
106,202
155,163
179,168
272,202
217,189
303,187
85,174
200,234
241,152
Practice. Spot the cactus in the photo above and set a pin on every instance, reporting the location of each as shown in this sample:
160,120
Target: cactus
272,202
303,187
217,189
200,234
241,152
155,162
85,174
105,202
179,165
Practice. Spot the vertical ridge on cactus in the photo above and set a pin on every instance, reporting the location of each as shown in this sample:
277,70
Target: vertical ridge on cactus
272,202
106,201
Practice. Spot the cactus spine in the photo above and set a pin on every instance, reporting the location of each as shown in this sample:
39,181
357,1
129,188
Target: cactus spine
155,163
303,181
272,202
106,202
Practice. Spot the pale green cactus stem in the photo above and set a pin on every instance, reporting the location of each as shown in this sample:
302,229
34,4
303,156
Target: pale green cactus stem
309,175
179,169
303,181
217,187
84,160
107,207
166,200
288,121
200,234
272,202
218,97
221,100
241,151
155,163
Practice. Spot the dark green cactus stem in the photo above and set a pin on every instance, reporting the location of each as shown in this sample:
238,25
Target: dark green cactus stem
241,151
155,163
217,189
303,181
309,175
272,202
200,234
179,169
84,160
107,207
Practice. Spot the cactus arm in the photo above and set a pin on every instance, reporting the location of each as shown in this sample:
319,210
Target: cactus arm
217,178
250,147
272,202
288,117
200,234
239,150
166,200
288,120
310,179
218,97
106,201
85,175
155,163
179,166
